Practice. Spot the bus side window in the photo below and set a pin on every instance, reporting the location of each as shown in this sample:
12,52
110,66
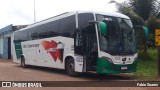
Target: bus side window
67,26
17,37
83,19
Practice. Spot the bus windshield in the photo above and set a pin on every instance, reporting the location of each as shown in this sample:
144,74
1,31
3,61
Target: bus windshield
120,38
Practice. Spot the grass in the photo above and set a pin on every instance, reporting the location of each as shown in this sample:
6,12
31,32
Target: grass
147,67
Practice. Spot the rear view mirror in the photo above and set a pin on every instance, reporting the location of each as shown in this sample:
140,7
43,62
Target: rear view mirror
103,28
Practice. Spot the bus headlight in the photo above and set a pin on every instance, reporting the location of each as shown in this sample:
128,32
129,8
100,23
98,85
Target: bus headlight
108,59
135,59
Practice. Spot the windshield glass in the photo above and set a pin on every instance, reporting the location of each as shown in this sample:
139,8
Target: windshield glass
119,38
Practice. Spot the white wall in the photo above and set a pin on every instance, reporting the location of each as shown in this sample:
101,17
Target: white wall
10,35
1,45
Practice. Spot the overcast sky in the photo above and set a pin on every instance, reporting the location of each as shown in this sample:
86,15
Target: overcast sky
20,12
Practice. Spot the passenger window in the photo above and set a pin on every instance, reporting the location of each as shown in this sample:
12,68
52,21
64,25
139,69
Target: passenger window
68,25
83,19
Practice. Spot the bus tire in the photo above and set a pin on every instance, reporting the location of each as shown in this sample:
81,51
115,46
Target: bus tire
70,67
23,62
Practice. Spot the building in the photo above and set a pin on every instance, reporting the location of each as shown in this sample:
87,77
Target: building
5,40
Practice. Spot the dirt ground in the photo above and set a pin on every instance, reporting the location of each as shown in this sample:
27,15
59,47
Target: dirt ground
10,71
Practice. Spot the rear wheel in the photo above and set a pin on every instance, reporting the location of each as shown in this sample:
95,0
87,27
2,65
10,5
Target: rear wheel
70,68
23,62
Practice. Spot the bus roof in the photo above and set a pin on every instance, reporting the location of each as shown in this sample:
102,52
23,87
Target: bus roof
115,14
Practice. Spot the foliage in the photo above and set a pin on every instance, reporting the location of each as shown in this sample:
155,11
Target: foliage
140,36
147,68
141,10
124,8
152,23
144,8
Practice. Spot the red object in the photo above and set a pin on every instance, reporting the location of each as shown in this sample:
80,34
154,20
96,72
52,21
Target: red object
45,44
50,45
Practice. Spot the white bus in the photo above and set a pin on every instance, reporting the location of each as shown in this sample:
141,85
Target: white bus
80,41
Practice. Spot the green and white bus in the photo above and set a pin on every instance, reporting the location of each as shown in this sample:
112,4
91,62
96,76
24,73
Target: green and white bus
80,41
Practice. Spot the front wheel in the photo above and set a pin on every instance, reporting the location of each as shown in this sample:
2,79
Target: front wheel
70,68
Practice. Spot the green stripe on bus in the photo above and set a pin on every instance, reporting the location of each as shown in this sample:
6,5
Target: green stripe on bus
18,49
105,67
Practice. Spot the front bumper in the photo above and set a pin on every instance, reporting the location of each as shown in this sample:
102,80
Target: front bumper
106,67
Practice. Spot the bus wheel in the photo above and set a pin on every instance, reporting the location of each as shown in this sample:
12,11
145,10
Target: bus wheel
23,62
70,67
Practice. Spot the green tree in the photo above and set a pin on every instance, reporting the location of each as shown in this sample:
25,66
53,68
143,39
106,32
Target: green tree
145,8
124,8
139,8
152,23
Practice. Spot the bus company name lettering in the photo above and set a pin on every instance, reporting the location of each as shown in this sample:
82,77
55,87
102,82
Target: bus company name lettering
30,45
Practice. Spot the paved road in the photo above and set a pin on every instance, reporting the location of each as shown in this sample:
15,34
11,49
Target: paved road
10,71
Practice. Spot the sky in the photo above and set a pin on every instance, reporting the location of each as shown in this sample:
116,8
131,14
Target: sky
21,12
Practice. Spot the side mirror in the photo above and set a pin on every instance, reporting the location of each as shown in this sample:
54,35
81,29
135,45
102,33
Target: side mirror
138,28
103,28
146,30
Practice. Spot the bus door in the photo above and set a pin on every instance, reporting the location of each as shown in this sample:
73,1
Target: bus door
86,46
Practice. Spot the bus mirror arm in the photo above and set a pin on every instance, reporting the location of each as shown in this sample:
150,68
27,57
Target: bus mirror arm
93,22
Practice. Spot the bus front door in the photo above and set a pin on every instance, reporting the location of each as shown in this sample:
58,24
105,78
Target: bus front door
86,46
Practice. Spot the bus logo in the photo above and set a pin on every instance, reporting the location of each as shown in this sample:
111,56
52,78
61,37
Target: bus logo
6,84
124,59
55,49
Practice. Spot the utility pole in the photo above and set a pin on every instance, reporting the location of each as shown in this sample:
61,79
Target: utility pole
34,10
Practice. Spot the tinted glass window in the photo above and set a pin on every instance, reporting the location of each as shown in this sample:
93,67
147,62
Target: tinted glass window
50,29
17,36
33,33
83,19
62,27
21,35
24,35
68,25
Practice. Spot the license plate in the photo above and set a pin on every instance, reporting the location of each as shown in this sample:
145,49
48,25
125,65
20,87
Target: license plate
124,68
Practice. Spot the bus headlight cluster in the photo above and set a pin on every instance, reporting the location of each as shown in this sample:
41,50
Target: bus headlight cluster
108,59
135,59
